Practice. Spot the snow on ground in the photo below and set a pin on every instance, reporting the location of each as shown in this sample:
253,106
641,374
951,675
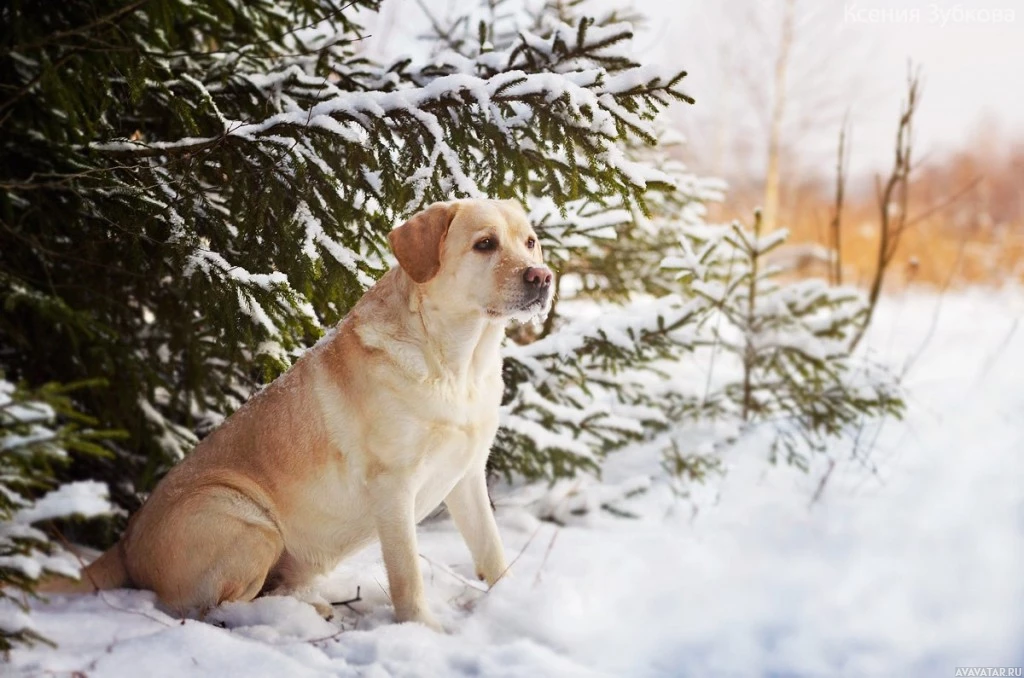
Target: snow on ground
909,564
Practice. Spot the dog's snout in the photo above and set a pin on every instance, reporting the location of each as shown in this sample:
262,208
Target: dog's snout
537,276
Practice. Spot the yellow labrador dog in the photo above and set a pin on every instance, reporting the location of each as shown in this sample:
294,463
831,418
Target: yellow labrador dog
391,414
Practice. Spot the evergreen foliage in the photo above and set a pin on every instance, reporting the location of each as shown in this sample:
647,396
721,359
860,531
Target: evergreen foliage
579,387
789,340
191,192
37,431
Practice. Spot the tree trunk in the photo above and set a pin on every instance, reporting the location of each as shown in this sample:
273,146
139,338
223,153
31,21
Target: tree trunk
771,178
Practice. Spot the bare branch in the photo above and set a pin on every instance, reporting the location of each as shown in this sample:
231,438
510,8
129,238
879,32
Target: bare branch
896,189
945,204
835,227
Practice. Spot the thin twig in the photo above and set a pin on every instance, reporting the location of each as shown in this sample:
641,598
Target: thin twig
322,639
384,590
348,603
516,559
455,575
938,308
835,227
551,545
896,186
991,360
948,202
821,484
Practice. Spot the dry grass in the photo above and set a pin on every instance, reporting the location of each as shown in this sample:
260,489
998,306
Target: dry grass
971,233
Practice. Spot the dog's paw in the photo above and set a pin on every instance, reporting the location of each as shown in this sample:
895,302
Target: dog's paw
421,616
431,623
492,569
311,597
494,575
323,608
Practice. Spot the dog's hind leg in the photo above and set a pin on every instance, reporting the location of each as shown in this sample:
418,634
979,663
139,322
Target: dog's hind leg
209,549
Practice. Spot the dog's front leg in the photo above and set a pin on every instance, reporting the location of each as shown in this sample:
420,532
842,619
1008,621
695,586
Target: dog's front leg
471,510
394,513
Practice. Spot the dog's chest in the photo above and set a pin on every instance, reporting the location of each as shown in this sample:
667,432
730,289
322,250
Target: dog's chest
456,432
430,432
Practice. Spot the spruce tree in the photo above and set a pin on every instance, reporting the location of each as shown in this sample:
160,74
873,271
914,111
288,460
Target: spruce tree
190,193
38,430
579,385
786,345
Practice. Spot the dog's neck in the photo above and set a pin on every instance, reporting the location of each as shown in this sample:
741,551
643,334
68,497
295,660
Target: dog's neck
442,344
459,344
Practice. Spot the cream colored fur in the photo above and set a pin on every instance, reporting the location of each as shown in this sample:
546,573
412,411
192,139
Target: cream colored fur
391,414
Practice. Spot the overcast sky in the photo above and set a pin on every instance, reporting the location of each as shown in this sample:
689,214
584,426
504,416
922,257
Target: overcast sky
973,70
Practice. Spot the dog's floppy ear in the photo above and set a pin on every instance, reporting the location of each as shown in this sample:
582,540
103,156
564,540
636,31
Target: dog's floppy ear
417,242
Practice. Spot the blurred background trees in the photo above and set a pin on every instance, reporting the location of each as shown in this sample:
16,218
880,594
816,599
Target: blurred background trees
843,72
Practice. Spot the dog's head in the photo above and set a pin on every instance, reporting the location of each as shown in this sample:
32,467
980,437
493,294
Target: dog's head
481,255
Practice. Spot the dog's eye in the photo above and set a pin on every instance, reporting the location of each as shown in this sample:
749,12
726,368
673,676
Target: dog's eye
531,243
485,245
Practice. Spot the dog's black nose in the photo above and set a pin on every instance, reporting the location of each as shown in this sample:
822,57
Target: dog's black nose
537,276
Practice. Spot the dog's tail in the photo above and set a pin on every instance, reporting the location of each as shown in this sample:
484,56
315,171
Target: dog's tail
106,572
